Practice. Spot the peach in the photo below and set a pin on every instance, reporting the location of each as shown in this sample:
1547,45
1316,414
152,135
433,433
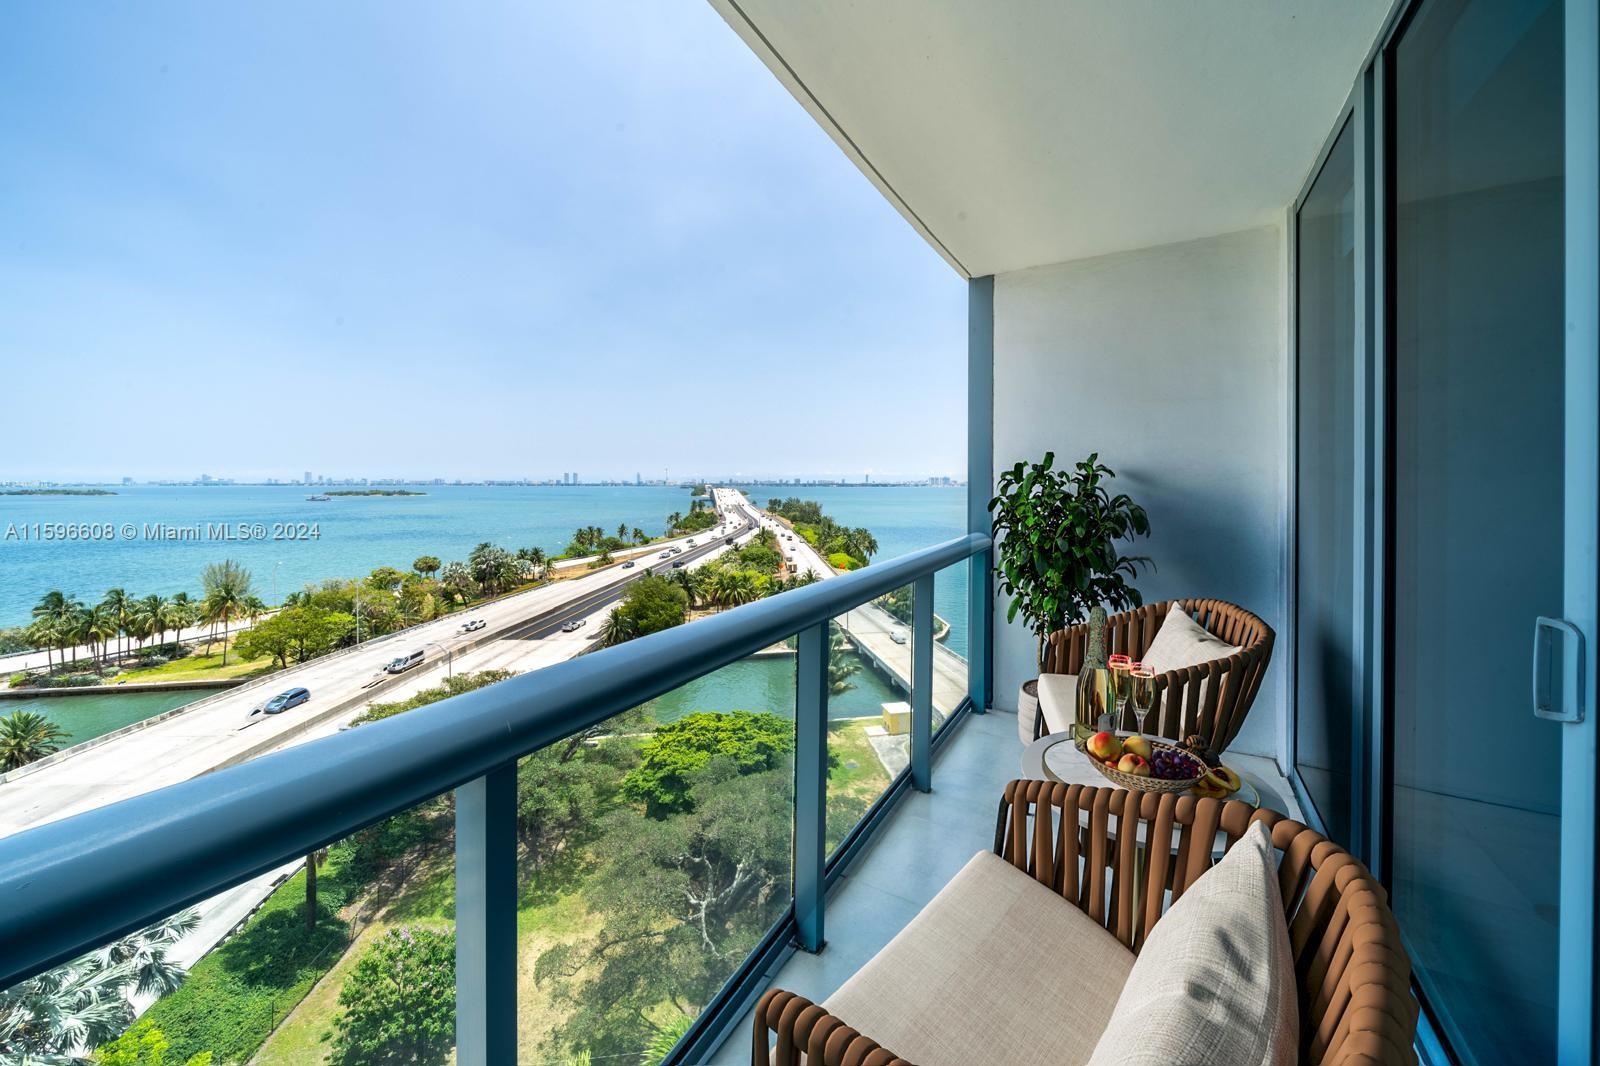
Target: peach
1135,765
1140,746
1105,746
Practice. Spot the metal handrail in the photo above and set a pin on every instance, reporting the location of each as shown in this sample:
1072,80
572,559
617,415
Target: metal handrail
72,885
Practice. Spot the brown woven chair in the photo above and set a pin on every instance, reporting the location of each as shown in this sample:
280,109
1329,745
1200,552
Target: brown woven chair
1352,974
1234,680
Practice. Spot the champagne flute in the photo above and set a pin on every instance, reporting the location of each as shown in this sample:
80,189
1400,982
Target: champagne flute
1144,691
1120,677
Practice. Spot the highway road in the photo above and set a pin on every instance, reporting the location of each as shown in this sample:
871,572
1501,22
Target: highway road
871,627
222,731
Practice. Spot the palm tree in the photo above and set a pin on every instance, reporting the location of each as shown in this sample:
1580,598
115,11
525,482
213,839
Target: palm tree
685,580
617,629
152,614
456,580
183,614
227,594
42,633
88,1001
840,669
26,736
100,627
117,604
622,531
426,564
62,610
639,535
674,520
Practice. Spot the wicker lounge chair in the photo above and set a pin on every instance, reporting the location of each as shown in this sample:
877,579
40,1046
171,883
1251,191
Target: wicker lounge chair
1188,707
1352,975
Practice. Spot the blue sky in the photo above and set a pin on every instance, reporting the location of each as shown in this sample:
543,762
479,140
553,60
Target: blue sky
453,240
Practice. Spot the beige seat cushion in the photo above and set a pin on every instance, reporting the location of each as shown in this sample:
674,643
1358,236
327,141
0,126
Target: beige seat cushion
996,969
1181,641
1215,981
1058,701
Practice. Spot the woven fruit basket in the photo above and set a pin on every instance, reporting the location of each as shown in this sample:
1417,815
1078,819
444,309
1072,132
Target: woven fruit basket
1143,783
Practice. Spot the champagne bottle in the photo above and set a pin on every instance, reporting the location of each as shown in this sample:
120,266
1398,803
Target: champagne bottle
1092,680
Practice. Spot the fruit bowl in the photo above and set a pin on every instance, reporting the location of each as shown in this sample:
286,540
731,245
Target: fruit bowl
1162,755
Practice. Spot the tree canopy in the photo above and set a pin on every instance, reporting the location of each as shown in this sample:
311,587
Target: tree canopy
750,741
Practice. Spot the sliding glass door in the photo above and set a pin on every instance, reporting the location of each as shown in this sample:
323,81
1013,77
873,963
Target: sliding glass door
1477,498
1447,443
1325,454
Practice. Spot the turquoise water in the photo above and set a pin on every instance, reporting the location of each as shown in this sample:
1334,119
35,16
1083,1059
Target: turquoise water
89,716
902,519
356,534
768,685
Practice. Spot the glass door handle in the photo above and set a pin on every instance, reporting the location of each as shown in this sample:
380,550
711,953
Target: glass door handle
1557,646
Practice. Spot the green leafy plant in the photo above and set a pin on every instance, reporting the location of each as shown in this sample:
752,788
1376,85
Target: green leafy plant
1056,539
399,1002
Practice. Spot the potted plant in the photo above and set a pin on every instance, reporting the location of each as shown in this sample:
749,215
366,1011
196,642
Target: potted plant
1056,534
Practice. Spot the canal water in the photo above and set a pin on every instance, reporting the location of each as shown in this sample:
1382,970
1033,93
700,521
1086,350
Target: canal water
767,684
91,715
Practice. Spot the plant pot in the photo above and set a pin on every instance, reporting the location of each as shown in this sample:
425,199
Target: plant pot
1028,710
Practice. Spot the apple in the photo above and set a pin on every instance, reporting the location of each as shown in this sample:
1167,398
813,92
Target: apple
1105,746
1140,746
1135,765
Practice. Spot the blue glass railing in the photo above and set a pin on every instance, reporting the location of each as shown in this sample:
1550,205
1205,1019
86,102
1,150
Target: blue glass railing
72,885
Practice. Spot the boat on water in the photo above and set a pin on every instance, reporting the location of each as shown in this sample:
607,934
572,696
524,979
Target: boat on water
320,497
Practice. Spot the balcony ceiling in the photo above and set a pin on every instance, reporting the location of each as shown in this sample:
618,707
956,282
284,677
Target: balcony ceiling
1017,133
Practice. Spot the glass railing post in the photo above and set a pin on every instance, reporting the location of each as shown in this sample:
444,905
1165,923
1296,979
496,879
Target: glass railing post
486,919
922,683
810,782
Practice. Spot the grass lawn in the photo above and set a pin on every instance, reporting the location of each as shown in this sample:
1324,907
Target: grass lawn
197,667
234,996
856,780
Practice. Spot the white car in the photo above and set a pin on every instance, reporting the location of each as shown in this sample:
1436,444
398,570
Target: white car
664,555
898,636
574,625
472,625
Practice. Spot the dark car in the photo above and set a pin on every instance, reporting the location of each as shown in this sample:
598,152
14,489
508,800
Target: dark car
284,700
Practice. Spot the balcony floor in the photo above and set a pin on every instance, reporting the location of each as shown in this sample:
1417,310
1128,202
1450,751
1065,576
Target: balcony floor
925,841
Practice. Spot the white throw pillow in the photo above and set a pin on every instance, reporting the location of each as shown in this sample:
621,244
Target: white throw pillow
1181,641
1215,982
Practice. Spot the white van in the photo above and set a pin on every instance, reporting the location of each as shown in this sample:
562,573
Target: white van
405,662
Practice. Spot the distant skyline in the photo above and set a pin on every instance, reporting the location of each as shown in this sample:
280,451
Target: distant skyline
488,241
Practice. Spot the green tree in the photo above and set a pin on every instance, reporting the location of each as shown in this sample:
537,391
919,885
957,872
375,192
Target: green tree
118,605
228,593
683,900
298,633
143,1045
61,610
676,752
426,565
456,580
399,1002
26,736
650,605
561,786
492,567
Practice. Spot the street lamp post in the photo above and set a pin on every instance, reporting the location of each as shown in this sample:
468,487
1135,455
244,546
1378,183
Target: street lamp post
449,658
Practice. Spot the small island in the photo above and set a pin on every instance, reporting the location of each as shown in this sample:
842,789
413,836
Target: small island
56,492
374,492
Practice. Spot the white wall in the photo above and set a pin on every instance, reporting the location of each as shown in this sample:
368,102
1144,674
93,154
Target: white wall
1170,362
